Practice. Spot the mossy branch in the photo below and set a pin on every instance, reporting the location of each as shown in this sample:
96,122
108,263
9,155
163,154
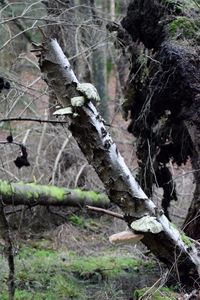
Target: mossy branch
34,194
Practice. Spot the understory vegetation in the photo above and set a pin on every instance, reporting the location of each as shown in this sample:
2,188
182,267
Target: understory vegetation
85,266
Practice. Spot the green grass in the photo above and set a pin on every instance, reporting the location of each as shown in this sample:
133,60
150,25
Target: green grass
78,221
52,275
155,294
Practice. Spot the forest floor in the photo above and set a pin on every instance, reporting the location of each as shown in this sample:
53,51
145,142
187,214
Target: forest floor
76,261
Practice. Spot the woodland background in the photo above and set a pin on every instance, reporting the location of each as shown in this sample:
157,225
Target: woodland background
64,253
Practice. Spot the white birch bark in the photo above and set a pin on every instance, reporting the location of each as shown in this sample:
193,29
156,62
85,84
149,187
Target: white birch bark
97,145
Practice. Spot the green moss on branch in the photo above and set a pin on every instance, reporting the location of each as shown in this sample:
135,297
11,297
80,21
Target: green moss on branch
35,194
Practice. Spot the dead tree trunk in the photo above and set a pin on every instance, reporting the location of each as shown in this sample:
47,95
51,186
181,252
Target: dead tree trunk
88,128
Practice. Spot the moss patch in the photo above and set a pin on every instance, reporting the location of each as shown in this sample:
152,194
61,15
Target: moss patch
103,267
52,275
183,25
77,221
186,240
184,237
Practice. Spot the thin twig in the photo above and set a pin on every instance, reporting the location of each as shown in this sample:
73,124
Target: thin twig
10,143
197,4
58,157
106,212
17,35
42,32
26,136
16,21
79,174
42,136
33,120
47,121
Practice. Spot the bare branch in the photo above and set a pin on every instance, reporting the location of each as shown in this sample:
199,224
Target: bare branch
33,120
106,212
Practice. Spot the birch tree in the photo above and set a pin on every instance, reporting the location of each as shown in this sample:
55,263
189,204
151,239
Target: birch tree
88,128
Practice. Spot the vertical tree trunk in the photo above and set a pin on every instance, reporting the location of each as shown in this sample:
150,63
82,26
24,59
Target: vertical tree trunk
85,41
112,10
100,79
99,60
192,222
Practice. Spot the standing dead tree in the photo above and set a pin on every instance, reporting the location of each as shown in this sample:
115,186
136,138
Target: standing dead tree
88,128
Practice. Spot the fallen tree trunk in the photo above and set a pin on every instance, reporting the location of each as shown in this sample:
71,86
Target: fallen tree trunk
33,194
88,128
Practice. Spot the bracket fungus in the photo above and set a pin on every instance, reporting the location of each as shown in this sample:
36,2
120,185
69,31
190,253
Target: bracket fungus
63,111
88,91
125,237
